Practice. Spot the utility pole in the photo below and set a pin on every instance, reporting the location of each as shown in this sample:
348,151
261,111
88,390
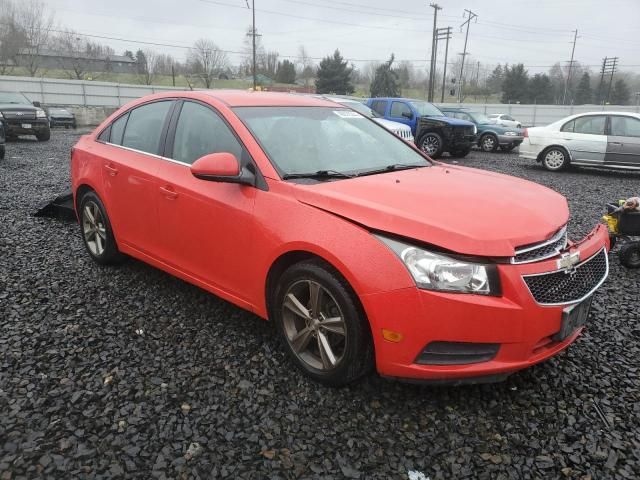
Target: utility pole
253,41
614,64
471,16
432,68
447,32
568,78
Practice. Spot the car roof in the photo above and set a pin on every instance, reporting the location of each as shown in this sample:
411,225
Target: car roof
398,98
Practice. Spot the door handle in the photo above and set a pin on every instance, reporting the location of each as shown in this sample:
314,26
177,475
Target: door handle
169,192
113,171
617,143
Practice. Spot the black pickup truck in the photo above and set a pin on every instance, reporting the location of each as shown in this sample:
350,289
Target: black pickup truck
21,117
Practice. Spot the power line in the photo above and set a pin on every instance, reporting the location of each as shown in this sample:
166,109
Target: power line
568,79
471,16
434,43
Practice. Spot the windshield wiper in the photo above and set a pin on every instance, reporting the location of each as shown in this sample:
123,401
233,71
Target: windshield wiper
390,168
319,174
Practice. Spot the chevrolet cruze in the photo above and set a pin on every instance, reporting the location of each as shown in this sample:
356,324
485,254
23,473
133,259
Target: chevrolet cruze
364,252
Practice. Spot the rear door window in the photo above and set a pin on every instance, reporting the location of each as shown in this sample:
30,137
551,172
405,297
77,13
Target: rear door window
145,125
117,129
591,125
625,127
201,131
379,106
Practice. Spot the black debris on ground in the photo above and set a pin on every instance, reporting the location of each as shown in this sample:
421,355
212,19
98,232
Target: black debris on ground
128,372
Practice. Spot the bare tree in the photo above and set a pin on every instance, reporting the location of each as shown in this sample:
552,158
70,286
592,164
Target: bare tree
268,64
305,66
73,56
11,38
35,22
147,65
206,61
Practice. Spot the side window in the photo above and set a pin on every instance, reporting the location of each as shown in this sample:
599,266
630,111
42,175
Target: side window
592,125
105,134
462,116
117,129
201,131
625,127
568,127
145,127
398,108
509,118
379,106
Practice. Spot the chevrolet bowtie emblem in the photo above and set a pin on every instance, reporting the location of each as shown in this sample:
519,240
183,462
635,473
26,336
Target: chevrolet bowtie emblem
568,261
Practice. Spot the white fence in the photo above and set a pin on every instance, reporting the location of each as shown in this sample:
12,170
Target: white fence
52,91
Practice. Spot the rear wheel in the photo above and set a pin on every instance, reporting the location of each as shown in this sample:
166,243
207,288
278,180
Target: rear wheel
489,142
322,325
431,144
97,234
630,255
2,152
555,159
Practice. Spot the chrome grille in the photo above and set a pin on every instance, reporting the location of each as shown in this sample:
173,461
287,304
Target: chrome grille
541,251
19,115
572,285
404,134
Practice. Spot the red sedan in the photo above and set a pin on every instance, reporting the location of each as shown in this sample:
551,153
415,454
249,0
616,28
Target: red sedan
363,251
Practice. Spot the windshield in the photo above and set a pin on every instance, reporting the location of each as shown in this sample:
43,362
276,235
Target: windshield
311,139
479,118
426,108
10,97
362,109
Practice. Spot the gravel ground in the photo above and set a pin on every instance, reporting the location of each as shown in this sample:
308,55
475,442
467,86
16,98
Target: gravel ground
128,372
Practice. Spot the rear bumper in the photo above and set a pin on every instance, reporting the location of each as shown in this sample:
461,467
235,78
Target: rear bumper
514,140
529,151
523,328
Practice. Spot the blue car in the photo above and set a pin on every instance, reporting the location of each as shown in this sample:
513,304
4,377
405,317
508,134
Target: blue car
434,133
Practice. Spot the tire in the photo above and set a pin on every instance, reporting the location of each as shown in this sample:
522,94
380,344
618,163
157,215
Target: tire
488,143
460,153
431,143
348,354
100,244
519,125
555,159
44,136
630,255
507,148
2,152
612,241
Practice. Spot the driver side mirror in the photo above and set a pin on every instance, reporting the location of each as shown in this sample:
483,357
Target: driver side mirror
37,104
408,115
222,167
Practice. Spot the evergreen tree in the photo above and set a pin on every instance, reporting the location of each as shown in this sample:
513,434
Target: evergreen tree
494,82
584,93
540,90
620,93
286,72
385,81
334,75
514,86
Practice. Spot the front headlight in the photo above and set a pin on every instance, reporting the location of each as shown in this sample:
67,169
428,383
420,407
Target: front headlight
434,271
475,129
41,113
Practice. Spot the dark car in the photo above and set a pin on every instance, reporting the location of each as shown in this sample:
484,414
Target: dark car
60,117
2,140
434,132
490,135
21,117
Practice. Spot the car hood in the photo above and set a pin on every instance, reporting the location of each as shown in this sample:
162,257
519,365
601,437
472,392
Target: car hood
450,120
460,209
17,107
391,125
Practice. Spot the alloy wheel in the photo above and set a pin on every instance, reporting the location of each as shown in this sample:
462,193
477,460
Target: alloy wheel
488,143
554,159
93,228
430,144
314,325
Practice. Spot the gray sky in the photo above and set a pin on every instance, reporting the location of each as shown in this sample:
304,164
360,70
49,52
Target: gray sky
535,32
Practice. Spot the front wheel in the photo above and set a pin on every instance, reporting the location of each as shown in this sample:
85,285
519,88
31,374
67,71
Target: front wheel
2,152
431,144
555,159
96,231
44,135
322,325
630,255
489,143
